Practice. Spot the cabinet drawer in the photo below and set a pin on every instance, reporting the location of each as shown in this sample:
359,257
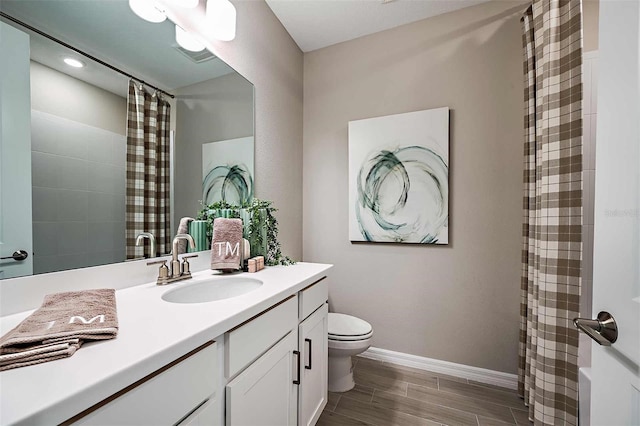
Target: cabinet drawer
312,297
251,339
162,398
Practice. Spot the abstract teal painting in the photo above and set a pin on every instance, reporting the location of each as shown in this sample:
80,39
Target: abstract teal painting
227,171
399,178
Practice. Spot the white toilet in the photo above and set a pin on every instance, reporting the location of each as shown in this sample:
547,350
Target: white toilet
347,336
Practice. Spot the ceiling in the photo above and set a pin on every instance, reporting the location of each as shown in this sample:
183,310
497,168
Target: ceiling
314,24
109,30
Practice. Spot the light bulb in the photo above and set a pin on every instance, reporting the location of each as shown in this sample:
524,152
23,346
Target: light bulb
186,41
147,10
73,62
221,15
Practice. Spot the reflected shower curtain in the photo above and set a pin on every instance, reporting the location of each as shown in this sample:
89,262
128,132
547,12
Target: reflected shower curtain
147,203
552,222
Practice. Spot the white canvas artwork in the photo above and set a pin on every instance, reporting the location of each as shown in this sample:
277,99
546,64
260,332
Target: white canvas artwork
227,171
399,178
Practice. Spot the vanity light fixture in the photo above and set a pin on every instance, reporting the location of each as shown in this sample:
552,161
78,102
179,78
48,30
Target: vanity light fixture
221,15
186,41
189,4
148,10
74,62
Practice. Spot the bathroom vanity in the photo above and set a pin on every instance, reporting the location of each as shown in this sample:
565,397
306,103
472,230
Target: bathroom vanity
249,359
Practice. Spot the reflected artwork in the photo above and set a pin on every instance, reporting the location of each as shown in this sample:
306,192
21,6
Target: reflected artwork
227,171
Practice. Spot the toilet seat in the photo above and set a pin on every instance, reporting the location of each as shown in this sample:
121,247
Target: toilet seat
348,328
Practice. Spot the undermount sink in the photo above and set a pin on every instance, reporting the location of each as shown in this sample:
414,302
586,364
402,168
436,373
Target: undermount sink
211,290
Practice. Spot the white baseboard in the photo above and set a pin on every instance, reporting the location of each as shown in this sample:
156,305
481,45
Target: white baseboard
477,374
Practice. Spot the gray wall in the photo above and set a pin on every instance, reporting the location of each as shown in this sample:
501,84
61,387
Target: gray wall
78,172
214,110
68,97
460,302
265,54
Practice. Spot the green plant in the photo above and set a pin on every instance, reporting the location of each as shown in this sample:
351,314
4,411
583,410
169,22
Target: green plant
217,209
262,225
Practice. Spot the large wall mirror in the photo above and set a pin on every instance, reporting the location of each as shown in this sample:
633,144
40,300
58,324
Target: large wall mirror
78,120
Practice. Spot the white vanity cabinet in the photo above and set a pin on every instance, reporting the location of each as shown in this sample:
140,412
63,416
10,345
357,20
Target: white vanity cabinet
206,414
228,362
266,393
277,363
183,390
314,353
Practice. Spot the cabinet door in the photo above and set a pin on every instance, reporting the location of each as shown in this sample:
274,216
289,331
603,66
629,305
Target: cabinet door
314,351
265,394
205,415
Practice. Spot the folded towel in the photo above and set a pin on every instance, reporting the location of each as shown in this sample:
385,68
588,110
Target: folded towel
183,228
59,327
198,230
226,245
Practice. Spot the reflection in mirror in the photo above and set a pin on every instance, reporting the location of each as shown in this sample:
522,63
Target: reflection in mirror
72,201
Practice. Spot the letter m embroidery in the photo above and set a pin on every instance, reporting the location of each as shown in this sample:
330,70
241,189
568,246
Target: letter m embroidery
84,321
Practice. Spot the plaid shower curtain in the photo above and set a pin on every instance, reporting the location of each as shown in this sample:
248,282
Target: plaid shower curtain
552,249
147,203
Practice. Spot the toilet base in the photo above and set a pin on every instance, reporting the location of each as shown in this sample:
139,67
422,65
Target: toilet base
340,366
341,374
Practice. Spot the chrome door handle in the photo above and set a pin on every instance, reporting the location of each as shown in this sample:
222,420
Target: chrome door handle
603,329
18,256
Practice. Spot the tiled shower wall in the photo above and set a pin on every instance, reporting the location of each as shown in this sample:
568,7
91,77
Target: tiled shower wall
78,179
590,111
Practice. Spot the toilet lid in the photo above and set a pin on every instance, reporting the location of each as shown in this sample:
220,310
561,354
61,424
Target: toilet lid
346,327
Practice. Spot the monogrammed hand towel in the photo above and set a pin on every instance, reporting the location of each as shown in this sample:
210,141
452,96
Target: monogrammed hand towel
226,244
58,327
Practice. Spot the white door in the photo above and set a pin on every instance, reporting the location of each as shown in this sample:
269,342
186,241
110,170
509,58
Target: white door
15,152
266,392
314,351
615,395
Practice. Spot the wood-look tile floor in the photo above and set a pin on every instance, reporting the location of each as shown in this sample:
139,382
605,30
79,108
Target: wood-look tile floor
388,394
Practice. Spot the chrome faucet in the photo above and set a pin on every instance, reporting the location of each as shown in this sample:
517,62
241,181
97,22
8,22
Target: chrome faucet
152,242
176,271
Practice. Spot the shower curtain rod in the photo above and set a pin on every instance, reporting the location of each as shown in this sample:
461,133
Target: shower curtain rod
87,55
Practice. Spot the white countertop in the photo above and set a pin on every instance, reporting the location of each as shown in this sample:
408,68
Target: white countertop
151,334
